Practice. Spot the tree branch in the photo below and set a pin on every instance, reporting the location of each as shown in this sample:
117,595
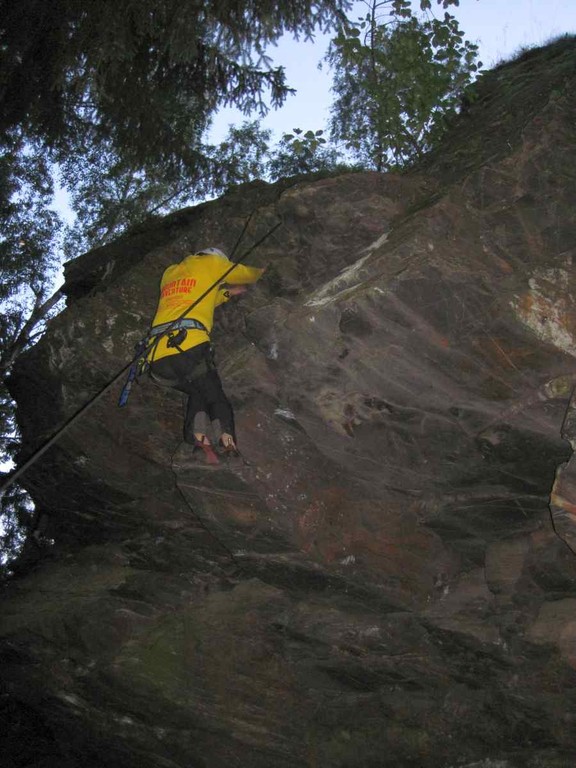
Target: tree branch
23,337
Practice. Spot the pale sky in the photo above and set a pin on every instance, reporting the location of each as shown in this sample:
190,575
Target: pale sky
499,27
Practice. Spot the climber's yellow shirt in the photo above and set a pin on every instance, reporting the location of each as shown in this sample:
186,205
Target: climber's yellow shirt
183,283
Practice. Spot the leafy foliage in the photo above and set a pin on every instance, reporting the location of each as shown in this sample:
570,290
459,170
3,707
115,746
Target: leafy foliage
29,241
396,78
16,514
241,157
109,195
142,78
303,152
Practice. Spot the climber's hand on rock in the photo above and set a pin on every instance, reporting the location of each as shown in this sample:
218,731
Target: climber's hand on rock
236,290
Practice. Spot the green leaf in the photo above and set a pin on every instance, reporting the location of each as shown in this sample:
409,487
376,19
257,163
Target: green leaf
391,94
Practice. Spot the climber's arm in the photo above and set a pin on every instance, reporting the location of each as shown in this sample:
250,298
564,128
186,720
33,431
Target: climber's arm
243,275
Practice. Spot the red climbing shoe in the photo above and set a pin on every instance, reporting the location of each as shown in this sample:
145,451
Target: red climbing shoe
207,449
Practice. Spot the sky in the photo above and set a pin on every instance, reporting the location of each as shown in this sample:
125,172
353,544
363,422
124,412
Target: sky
499,27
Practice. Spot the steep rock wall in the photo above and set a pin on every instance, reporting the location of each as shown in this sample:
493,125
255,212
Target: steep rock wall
381,582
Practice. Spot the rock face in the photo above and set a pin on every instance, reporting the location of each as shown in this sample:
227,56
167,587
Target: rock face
381,583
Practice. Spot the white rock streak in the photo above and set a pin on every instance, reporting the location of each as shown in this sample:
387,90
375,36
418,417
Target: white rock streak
345,280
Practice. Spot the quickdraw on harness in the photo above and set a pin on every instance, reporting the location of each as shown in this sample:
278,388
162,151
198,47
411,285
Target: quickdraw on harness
145,349
176,332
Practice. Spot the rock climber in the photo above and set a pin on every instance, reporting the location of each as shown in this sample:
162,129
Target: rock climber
182,356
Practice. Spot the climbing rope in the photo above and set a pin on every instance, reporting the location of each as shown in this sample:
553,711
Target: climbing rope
19,471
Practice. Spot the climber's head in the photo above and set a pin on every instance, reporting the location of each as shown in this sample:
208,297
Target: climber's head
211,251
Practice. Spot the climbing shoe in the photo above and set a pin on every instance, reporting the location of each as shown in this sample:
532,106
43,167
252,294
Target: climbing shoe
204,450
228,451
